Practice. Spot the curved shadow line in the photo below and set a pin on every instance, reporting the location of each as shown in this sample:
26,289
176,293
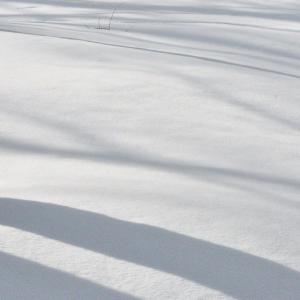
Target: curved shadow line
257,110
230,271
209,173
24,279
154,21
42,25
178,54
269,12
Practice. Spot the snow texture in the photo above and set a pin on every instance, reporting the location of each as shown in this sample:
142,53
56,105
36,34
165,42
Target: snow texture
159,159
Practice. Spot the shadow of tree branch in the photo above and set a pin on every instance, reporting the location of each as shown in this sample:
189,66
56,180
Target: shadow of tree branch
24,279
233,272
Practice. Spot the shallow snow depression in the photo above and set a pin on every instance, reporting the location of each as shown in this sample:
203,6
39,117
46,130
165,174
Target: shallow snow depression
156,160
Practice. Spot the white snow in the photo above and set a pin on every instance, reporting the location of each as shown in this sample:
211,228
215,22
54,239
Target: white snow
156,160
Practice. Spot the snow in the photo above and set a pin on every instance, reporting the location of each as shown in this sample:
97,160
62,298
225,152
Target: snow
156,160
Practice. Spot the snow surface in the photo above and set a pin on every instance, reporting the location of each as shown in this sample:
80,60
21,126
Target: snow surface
157,160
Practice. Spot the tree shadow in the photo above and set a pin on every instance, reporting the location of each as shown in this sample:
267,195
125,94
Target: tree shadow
270,12
288,12
128,157
69,36
101,150
230,271
258,110
24,279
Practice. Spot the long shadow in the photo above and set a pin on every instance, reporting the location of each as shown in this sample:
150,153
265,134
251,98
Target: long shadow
220,41
179,45
270,12
232,272
62,35
179,21
129,158
24,279
232,100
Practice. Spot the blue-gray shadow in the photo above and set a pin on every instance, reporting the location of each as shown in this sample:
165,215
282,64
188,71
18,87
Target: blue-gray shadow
230,271
24,279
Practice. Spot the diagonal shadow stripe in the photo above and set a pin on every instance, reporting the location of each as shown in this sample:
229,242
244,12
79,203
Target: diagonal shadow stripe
63,35
128,158
230,271
24,279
